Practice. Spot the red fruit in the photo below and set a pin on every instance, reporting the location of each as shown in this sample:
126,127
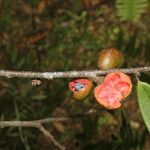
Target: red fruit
80,88
115,87
120,81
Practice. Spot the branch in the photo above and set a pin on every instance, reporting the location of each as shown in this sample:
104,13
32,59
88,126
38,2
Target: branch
51,75
49,135
32,124
39,124
36,123
69,74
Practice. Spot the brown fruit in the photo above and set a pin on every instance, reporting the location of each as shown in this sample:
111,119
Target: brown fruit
110,58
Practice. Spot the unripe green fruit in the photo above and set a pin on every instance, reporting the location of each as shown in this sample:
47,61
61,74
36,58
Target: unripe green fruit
110,58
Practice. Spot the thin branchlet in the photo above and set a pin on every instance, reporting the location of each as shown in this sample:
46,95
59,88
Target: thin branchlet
38,124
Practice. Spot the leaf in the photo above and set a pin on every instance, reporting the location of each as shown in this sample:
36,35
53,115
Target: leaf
34,38
143,91
130,9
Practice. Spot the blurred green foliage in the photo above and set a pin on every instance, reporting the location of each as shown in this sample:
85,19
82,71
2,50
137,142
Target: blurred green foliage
131,10
73,38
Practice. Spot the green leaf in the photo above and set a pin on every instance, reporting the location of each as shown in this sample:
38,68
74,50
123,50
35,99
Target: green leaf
130,10
143,91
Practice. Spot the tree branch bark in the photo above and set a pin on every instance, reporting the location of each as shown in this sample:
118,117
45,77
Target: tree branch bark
69,74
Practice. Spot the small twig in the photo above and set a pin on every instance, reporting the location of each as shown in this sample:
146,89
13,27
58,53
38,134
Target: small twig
39,124
49,135
36,123
69,74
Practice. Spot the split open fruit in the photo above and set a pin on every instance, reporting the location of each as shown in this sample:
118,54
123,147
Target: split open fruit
113,90
80,88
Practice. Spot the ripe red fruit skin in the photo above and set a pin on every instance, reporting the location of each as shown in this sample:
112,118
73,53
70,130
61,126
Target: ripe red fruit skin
113,90
121,78
80,88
